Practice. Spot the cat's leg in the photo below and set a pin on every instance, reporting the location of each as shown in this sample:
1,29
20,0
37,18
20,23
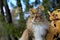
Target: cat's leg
27,35
24,35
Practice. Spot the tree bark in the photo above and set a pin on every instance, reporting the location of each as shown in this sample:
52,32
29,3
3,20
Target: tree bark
1,6
2,11
8,14
22,21
8,17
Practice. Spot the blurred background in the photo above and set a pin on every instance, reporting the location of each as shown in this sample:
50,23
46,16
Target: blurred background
14,14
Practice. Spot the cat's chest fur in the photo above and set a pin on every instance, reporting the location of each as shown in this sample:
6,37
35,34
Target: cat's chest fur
39,31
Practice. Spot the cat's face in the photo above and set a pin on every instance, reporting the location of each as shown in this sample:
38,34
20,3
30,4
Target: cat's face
36,17
55,15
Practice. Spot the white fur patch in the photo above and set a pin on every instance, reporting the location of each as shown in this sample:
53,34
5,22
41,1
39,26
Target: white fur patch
39,31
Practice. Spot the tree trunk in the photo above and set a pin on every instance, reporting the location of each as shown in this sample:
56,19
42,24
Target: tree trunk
27,5
1,6
2,11
22,21
8,14
9,19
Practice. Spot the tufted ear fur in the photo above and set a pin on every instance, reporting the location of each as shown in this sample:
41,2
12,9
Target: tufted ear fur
41,7
33,11
49,12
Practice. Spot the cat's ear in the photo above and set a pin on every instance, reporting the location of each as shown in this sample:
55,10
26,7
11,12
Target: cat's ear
49,12
33,11
41,7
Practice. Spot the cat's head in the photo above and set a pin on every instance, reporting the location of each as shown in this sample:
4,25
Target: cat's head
36,16
55,15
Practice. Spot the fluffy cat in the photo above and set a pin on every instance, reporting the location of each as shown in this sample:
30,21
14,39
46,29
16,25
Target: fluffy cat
37,26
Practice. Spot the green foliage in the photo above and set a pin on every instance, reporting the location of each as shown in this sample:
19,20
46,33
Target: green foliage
19,3
37,2
47,4
1,18
11,29
28,6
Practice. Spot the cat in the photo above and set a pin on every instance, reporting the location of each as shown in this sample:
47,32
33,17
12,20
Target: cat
37,26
